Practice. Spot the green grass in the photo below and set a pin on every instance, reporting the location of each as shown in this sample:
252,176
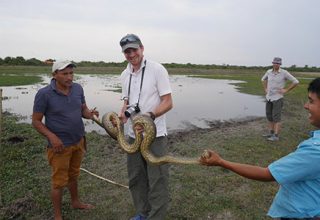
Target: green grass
197,192
18,80
23,70
26,75
26,70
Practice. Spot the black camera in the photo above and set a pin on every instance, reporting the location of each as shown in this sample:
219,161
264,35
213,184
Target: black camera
132,109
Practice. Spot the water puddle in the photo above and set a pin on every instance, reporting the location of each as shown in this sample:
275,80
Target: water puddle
196,100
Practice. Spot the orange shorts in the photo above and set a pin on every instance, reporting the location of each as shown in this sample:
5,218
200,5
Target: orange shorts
66,164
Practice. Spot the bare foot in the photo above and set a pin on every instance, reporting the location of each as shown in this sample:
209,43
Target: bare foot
57,218
82,206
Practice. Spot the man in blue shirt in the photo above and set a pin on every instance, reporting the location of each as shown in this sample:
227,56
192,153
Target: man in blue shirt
63,104
298,173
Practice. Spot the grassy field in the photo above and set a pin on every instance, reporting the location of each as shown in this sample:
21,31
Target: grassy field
197,192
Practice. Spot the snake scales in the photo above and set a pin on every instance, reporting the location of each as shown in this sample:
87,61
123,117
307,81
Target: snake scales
142,142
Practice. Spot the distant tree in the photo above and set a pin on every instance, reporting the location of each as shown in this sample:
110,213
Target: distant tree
19,61
8,60
34,62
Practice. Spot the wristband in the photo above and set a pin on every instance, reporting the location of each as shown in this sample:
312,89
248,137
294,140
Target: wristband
152,116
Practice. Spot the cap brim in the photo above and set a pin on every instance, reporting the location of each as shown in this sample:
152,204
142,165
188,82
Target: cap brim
135,46
276,63
67,64
64,66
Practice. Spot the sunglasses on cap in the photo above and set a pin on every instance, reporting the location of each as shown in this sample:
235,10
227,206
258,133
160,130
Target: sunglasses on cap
130,38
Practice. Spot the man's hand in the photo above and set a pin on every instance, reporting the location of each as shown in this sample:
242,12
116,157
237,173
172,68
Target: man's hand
94,112
139,129
210,158
57,145
122,117
151,115
283,91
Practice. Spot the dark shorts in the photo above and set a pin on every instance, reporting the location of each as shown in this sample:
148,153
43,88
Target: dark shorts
273,110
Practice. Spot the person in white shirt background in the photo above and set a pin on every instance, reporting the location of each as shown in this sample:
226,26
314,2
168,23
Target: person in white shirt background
274,82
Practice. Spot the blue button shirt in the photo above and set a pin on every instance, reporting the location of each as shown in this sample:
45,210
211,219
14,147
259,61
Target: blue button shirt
298,174
63,113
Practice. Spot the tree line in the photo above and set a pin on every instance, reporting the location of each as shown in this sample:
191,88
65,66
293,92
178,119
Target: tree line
21,61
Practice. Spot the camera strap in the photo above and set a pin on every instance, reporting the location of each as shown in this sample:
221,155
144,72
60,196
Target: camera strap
141,82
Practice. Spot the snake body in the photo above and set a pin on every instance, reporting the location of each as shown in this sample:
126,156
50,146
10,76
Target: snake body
143,142
117,132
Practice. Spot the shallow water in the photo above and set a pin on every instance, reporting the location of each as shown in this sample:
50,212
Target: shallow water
196,100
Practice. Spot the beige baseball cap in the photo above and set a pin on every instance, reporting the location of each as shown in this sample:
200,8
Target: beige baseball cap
62,64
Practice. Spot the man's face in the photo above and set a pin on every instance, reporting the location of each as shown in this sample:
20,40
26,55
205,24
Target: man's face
313,107
64,77
276,66
134,56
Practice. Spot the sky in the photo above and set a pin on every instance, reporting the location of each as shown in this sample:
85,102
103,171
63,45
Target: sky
234,32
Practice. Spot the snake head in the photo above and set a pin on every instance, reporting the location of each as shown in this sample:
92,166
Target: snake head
205,154
107,120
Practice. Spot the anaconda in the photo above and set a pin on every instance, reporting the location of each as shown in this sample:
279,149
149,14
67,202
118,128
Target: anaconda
143,142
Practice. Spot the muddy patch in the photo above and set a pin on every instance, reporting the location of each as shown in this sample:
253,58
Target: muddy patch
19,207
16,139
215,125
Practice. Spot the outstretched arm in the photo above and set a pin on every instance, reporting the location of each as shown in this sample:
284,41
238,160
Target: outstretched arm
211,158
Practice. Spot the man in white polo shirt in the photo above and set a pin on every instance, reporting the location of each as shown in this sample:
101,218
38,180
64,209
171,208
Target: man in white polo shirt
274,82
146,87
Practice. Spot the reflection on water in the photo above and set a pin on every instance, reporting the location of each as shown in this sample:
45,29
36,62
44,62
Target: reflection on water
195,100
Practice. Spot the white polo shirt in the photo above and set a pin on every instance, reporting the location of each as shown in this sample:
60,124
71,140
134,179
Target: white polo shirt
155,84
276,82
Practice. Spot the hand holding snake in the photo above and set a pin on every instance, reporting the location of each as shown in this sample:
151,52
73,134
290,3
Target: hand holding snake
141,141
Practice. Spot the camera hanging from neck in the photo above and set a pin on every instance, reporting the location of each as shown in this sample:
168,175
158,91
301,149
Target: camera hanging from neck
141,82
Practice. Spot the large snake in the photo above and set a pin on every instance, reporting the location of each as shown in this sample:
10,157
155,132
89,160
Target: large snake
142,142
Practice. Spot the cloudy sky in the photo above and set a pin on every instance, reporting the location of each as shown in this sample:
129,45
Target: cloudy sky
236,32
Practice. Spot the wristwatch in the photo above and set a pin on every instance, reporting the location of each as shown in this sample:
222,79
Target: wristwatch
152,116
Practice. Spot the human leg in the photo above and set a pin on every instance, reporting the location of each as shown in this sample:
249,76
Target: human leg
59,163
138,182
56,198
277,128
275,135
271,126
276,117
78,152
158,181
269,108
75,201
